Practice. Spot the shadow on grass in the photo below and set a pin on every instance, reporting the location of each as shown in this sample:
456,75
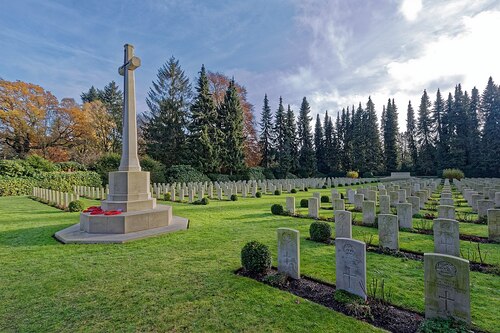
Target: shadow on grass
36,236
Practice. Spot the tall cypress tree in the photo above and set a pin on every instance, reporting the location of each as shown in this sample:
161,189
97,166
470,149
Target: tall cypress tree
391,131
165,124
425,163
319,145
307,158
204,136
266,138
411,133
490,111
232,157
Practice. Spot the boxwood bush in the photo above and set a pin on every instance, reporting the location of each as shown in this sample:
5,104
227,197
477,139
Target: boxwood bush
258,194
277,192
325,198
234,197
277,209
320,231
76,206
293,190
255,258
304,203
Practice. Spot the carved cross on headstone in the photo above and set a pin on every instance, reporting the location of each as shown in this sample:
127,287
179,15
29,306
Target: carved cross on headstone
130,159
349,276
446,298
447,242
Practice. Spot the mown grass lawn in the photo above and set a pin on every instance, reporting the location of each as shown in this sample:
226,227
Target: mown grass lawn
184,281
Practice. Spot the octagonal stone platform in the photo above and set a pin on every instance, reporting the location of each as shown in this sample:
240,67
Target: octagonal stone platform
74,234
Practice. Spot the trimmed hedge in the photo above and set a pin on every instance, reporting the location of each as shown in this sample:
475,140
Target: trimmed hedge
59,181
184,174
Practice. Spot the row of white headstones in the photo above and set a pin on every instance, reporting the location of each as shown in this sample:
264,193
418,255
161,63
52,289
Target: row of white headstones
56,198
446,275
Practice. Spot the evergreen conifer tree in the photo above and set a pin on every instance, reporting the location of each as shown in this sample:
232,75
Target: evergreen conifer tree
279,132
165,124
319,145
425,163
291,140
266,131
490,112
307,158
373,154
391,132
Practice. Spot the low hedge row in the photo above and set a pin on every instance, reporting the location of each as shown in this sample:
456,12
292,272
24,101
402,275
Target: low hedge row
60,181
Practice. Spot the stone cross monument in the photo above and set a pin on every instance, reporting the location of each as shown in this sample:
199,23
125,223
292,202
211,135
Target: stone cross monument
129,211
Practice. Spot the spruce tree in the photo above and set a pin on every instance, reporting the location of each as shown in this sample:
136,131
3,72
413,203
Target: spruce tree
165,123
373,154
319,145
204,136
266,138
90,96
458,131
232,157
490,112
474,135
425,163
279,132
307,158
391,132
411,133
330,146
112,98
358,139
291,140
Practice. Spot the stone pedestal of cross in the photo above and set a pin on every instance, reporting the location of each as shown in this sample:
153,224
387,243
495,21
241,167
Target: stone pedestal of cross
129,187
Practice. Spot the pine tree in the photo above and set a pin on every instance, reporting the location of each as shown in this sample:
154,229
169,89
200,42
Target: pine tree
266,139
490,112
232,157
411,133
319,145
307,165
391,132
204,136
425,163
457,131
330,146
165,124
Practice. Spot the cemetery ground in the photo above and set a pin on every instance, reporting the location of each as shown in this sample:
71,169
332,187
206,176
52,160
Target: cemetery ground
185,281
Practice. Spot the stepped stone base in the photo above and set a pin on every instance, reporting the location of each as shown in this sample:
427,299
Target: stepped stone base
74,234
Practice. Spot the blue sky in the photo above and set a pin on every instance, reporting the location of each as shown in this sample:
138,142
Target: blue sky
335,52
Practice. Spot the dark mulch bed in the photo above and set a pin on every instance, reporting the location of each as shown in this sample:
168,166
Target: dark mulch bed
386,316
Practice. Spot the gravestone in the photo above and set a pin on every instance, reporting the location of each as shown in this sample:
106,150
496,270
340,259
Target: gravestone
368,212
446,202
358,201
289,252
338,204
350,258
350,195
446,237
385,204
483,206
473,201
447,287
371,195
313,207
497,199
394,198
494,224
422,195
317,195
404,211
343,224
290,205
415,205
446,212
402,196
388,231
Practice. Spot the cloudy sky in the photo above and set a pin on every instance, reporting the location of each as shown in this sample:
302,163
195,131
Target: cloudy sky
334,52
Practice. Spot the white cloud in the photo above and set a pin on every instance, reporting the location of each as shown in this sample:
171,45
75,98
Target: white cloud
410,9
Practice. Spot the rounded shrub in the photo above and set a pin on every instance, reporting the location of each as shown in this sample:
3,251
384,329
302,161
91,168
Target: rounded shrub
304,203
277,192
325,198
306,189
255,257
320,231
323,187
258,194
76,206
167,196
234,197
277,209
293,190
205,201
